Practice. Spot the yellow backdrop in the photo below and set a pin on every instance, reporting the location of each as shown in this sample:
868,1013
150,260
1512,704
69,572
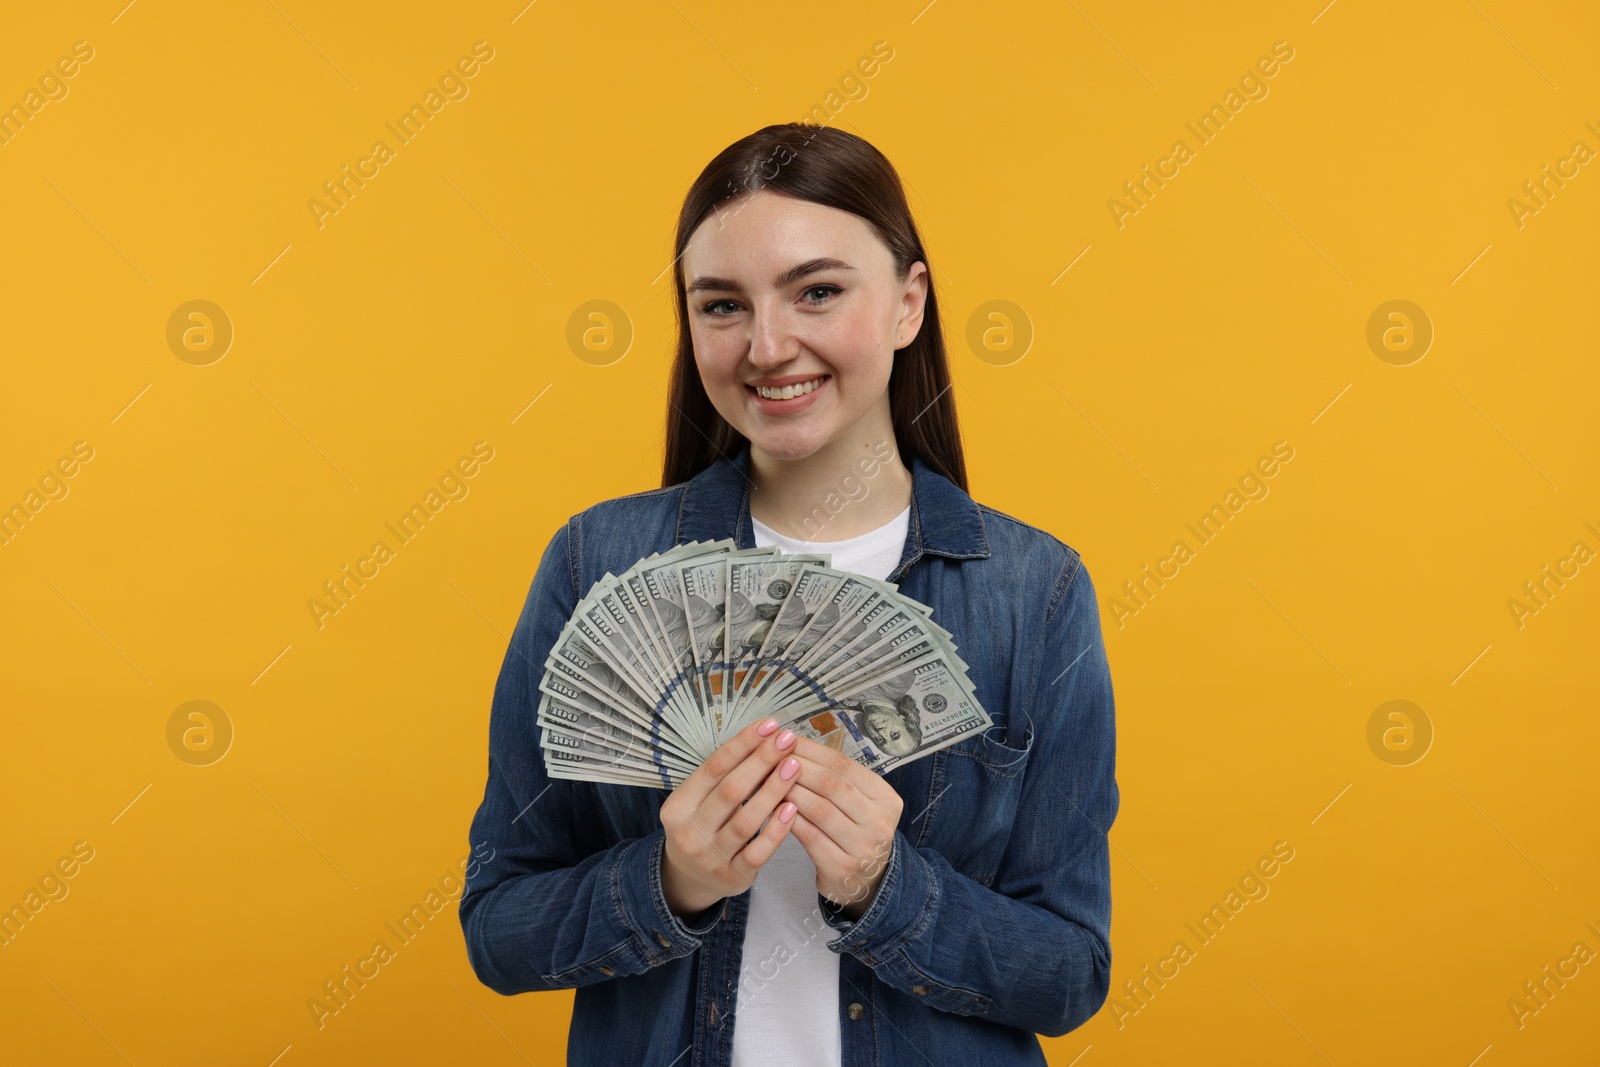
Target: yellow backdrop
1282,316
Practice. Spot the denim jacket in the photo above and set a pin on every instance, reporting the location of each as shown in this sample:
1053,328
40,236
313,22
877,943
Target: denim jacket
992,922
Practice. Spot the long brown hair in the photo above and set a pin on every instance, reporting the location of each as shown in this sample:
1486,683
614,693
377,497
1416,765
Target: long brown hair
840,170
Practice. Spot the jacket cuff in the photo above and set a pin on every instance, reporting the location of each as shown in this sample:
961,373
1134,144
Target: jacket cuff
905,903
641,904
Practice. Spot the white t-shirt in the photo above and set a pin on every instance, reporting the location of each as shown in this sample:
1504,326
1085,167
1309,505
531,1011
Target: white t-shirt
787,1005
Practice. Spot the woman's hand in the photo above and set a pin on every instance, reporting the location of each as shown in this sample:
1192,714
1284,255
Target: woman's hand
712,849
846,821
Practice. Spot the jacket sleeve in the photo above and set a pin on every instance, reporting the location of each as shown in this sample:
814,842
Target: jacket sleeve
552,901
1034,950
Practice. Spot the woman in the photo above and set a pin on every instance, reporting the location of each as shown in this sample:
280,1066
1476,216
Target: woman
784,904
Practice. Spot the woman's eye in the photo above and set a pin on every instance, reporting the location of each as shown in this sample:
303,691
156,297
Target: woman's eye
816,294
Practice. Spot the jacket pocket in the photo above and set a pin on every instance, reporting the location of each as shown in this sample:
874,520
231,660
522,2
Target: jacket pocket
977,785
999,757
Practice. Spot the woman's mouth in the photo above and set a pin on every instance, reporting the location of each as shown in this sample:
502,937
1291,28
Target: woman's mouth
784,399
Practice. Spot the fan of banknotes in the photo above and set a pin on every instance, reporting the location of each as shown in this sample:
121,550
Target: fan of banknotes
660,665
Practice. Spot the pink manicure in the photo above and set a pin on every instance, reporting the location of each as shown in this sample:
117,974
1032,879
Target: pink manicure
785,739
786,812
767,726
790,768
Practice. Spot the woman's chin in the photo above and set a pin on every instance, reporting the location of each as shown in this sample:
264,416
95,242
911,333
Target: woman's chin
788,445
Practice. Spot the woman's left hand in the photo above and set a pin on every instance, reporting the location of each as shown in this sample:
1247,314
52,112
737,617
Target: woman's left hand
846,822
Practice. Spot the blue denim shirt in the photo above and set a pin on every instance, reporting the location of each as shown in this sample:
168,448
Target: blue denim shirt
992,922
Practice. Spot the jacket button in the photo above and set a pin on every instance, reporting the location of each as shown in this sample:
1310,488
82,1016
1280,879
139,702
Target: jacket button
608,971
857,1011
920,990
663,939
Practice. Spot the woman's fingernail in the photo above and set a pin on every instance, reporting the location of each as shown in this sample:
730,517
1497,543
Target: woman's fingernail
767,726
790,768
785,739
786,812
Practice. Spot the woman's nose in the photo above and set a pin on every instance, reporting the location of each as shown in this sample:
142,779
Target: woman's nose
771,341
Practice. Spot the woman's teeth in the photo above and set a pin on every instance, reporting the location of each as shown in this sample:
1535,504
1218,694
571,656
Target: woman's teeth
789,392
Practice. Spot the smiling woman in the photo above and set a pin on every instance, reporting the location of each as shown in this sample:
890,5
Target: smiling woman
796,301
964,893
774,342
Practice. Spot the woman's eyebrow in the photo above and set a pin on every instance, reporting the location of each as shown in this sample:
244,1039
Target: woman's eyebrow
787,278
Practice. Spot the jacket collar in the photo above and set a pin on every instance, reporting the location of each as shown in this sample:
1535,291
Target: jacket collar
944,521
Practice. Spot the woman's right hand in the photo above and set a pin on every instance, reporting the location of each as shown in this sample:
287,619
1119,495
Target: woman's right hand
709,822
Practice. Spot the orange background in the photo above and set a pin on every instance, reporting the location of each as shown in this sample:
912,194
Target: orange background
1110,403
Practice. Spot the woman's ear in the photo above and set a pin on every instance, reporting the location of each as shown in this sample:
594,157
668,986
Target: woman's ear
914,296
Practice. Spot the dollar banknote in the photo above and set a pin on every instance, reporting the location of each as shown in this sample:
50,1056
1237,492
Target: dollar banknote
660,665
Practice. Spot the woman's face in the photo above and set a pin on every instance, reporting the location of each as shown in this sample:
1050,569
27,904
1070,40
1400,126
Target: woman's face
800,301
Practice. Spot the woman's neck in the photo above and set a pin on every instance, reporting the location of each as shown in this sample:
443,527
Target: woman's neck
844,489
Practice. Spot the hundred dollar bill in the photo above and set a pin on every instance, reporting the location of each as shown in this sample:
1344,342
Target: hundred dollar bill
660,664
662,582
810,604
613,625
860,652
732,610
897,719
641,630
606,626
705,610
757,590
602,764
565,704
850,597
607,750
572,765
897,643
578,662
855,630
706,604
